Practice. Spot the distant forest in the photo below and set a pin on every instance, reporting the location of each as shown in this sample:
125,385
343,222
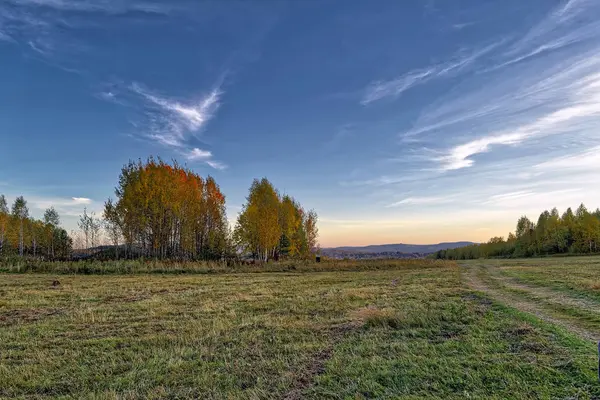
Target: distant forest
22,235
569,233
167,211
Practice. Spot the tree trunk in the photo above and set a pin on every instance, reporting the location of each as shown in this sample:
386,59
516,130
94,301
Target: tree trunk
21,238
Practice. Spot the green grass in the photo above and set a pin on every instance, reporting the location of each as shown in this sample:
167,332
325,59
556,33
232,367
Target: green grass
578,276
568,306
348,330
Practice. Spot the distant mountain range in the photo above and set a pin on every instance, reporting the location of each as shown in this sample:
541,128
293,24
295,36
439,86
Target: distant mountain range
393,248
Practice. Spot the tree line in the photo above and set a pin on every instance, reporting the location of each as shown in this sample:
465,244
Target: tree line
167,211
22,235
570,233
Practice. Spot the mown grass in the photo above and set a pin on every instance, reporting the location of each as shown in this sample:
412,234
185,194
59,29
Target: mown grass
391,331
573,310
577,276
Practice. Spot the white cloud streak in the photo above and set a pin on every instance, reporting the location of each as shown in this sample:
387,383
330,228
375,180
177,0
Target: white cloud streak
192,116
104,6
543,88
570,99
80,200
173,123
216,165
40,24
537,201
66,207
572,22
198,154
588,160
379,90
422,201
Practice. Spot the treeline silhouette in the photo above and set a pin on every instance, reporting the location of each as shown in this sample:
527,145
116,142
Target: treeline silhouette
569,233
22,235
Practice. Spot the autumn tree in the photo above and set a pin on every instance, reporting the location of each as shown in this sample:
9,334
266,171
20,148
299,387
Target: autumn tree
20,212
258,230
568,222
24,235
290,220
312,232
112,225
52,220
85,225
270,225
167,211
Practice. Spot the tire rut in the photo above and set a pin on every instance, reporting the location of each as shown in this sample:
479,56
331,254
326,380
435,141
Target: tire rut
549,295
472,277
305,379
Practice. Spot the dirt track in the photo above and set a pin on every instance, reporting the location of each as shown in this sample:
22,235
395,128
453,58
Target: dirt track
546,304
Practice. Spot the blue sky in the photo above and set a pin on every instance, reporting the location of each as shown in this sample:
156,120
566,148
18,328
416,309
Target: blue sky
397,121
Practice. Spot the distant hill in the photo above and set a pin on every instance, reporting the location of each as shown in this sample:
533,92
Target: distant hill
397,248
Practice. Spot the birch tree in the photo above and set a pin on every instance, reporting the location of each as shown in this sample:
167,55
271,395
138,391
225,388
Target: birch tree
52,219
20,212
3,221
85,226
112,225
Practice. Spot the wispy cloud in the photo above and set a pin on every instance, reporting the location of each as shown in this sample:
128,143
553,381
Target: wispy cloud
540,200
216,164
48,28
421,201
175,123
571,22
66,206
463,25
567,101
81,200
587,160
379,90
540,90
181,117
104,6
395,87
510,196
197,154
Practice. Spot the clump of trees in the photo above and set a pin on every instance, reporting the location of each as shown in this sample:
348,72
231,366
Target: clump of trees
271,225
572,232
167,211
25,236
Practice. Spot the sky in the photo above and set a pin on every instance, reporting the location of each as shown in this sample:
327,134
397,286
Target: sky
397,121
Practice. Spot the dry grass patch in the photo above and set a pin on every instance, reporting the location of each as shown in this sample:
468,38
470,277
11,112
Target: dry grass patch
372,316
593,285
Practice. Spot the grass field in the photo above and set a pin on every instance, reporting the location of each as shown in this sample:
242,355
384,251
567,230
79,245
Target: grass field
482,329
